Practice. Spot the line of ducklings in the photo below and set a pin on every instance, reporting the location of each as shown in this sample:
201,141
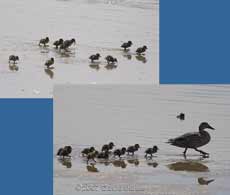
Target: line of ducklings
90,153
66,44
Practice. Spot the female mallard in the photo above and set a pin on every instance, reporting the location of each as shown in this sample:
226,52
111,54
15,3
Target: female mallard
193,140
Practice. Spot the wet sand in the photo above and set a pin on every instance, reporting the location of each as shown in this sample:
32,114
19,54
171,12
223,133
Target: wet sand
97,25
144,115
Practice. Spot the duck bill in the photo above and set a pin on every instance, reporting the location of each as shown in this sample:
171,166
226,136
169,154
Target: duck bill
210,127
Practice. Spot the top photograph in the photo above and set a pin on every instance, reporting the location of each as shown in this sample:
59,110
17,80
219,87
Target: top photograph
44,43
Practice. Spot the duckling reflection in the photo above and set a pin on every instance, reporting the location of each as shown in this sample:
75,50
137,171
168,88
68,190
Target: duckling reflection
128,56
66,162
110,66
152,164
189,166
141,58
49,72
92,168
203,181
13,67
119,163
95,65
136,162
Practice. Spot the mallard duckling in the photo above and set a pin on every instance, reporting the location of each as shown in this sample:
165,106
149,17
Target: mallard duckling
58,43
92,156
119,152
64,152
141,50
181,116
13,58
151,151
44,41
203,181
193,140
132,149
126,45
94,57
86,151
103,155
110,59
67,43
49,62
107,147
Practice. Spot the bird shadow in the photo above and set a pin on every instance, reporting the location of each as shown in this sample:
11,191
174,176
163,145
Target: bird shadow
13,67
141,58
66,162
135,162
189,165
119,163
49,72
111,66
91,168
95,65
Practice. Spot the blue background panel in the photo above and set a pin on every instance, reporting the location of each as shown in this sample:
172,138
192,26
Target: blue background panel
26,146
194,41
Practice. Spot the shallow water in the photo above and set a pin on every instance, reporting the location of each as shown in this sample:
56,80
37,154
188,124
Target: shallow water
146,115
97,25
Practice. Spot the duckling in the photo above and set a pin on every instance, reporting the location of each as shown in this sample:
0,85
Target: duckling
132,149
110,59
13,58
119,152
44,41
94,57
103,155
126,45
203,181
92,156
151,151
86,151
141,50
67,43
58,43
49,62
107,147
181,116
64,152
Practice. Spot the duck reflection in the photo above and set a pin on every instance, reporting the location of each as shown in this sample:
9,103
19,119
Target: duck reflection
203,181
127,55
92,168
13,67
110,66
190,166
141,58
119,163
95,65
66,162
136,162
49,72
152,164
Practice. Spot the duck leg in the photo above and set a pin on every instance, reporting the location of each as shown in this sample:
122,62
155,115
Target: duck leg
185,151
202,152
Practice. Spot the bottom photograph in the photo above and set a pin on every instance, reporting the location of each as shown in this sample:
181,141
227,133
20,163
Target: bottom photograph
141,139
